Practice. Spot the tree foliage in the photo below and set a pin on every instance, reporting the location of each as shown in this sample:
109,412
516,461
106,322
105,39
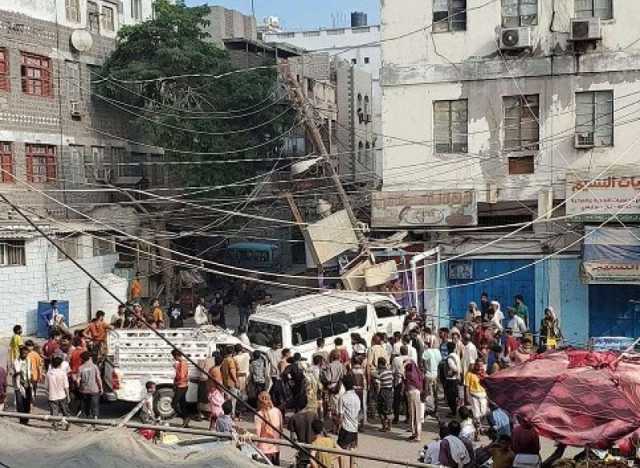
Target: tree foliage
161,74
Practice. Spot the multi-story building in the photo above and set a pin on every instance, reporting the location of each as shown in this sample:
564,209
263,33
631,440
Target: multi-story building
64,142
493,114
358,45
355,130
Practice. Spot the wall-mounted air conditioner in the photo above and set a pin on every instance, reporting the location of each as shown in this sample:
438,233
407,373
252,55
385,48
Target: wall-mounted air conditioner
74,108
584,140
516,38
585,29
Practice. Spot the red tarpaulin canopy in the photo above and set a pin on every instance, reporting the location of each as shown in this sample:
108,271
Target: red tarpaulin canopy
578,398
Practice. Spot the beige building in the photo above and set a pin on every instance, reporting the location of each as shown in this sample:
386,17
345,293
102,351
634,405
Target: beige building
497,112
58,137
510,97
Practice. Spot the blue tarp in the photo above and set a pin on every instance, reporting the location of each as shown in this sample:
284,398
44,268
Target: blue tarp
611,245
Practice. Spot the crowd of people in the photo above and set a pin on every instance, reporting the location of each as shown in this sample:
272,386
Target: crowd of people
394,380
64,368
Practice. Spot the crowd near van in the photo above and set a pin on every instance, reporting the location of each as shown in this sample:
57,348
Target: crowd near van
297,323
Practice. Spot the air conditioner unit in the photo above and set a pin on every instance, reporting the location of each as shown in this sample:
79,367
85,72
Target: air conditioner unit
516,38
584,140
585,29
102,174
74,108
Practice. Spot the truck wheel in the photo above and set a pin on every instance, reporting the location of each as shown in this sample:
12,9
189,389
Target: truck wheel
163,403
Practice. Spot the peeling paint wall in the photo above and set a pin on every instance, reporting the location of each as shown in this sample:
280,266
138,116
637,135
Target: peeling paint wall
423,67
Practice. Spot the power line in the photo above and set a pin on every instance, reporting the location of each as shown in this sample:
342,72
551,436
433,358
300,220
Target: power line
249,271
157,333
190,130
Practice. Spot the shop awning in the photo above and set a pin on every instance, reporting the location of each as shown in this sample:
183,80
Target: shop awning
611,255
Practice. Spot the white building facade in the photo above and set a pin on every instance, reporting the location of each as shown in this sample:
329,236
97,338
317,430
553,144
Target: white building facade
33,270
359,46
517,103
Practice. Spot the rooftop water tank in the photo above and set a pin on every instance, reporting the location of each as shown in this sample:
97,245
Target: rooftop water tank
358,19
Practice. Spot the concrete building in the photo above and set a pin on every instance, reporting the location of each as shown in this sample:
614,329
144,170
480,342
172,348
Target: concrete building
228,24
493,113
32,270
58,137
359,45
355,130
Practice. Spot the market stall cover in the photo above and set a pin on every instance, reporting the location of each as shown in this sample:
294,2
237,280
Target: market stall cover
578,398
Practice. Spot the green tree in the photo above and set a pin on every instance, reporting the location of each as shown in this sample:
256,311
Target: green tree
195,113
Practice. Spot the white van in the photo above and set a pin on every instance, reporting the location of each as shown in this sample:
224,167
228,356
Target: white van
297,323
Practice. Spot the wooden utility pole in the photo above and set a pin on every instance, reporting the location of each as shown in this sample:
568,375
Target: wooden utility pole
168,277
313,130
297,216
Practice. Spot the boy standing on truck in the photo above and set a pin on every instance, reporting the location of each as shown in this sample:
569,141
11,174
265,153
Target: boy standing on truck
158,315
97,333
180,386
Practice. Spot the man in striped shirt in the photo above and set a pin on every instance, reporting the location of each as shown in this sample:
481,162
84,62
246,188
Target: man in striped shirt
383,381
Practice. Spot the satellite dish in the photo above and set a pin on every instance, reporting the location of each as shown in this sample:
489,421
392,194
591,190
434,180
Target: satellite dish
81,40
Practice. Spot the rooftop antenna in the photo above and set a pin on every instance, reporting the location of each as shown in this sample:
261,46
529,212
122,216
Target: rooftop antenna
253,9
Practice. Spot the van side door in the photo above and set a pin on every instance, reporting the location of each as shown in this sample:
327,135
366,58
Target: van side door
389,318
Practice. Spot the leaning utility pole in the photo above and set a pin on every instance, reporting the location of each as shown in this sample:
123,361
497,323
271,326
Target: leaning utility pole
312,128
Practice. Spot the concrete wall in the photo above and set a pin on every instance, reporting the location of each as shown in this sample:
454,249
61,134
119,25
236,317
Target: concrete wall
47,120
354,88
483,26
337,41
353,45
44,277
229,24
54,10
425,67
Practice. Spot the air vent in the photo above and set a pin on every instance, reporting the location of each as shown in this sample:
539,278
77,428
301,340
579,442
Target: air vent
516,39
74,109
584,140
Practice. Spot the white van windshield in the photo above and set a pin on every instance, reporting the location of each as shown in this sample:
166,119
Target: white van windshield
264,334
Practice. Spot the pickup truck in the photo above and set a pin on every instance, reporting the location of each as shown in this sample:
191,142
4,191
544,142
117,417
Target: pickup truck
135,357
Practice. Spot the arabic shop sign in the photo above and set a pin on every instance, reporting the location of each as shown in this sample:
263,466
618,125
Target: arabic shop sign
424,208
599,200
605,272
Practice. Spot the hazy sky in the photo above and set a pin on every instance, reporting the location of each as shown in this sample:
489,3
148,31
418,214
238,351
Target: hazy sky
302,14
